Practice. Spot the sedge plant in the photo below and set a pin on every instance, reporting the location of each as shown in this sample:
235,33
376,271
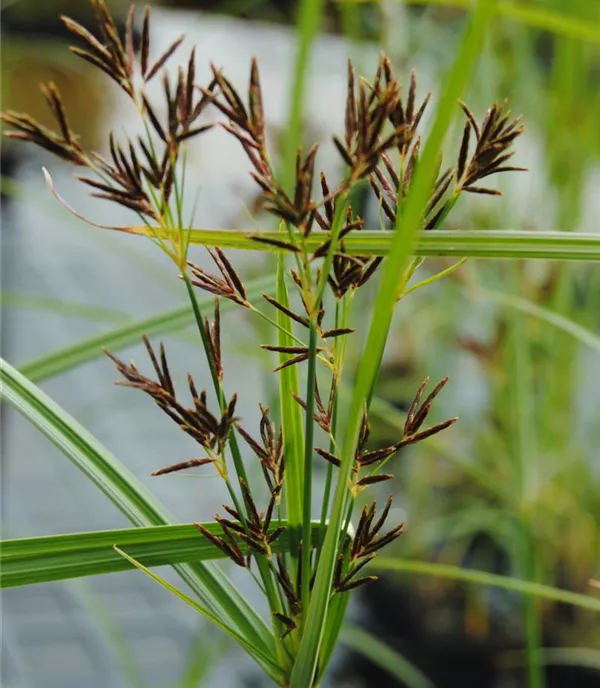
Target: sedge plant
305,555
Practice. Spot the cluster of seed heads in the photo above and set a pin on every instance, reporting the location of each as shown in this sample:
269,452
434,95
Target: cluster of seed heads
380,144
365,545
209,430
137,175
373,460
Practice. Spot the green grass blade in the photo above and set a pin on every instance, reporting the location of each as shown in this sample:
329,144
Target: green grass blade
116,481
384,656
404,239
308,23
291,416
336,615
559,23
89,349
426,568
128,494
309,436
60,307
266,661
29,561
452,243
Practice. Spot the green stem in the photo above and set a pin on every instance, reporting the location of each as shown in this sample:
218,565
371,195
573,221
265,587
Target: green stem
326,497
309,436
205,342
262,563
339,351
336,228
276,325
463,243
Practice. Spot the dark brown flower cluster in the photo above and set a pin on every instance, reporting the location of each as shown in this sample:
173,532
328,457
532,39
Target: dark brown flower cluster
365,458
133,173
494,138
64,143
254,530
229,285
367,115
347,271
269,452
247,124
209,430
369,109
364,548
380,125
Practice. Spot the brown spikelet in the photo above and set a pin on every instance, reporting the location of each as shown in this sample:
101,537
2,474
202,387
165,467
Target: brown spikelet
182,465
257,115
277,243
287,311
160,62
300,358
129,47
55,102
328,456
374,479
493,138
229,285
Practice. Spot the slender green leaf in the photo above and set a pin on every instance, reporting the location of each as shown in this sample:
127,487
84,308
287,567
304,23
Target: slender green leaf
336,615
60,307
308,23
426,568
309,435
28,561
458,243
384,656
270,666
291,416
129,495
81,352
401,248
